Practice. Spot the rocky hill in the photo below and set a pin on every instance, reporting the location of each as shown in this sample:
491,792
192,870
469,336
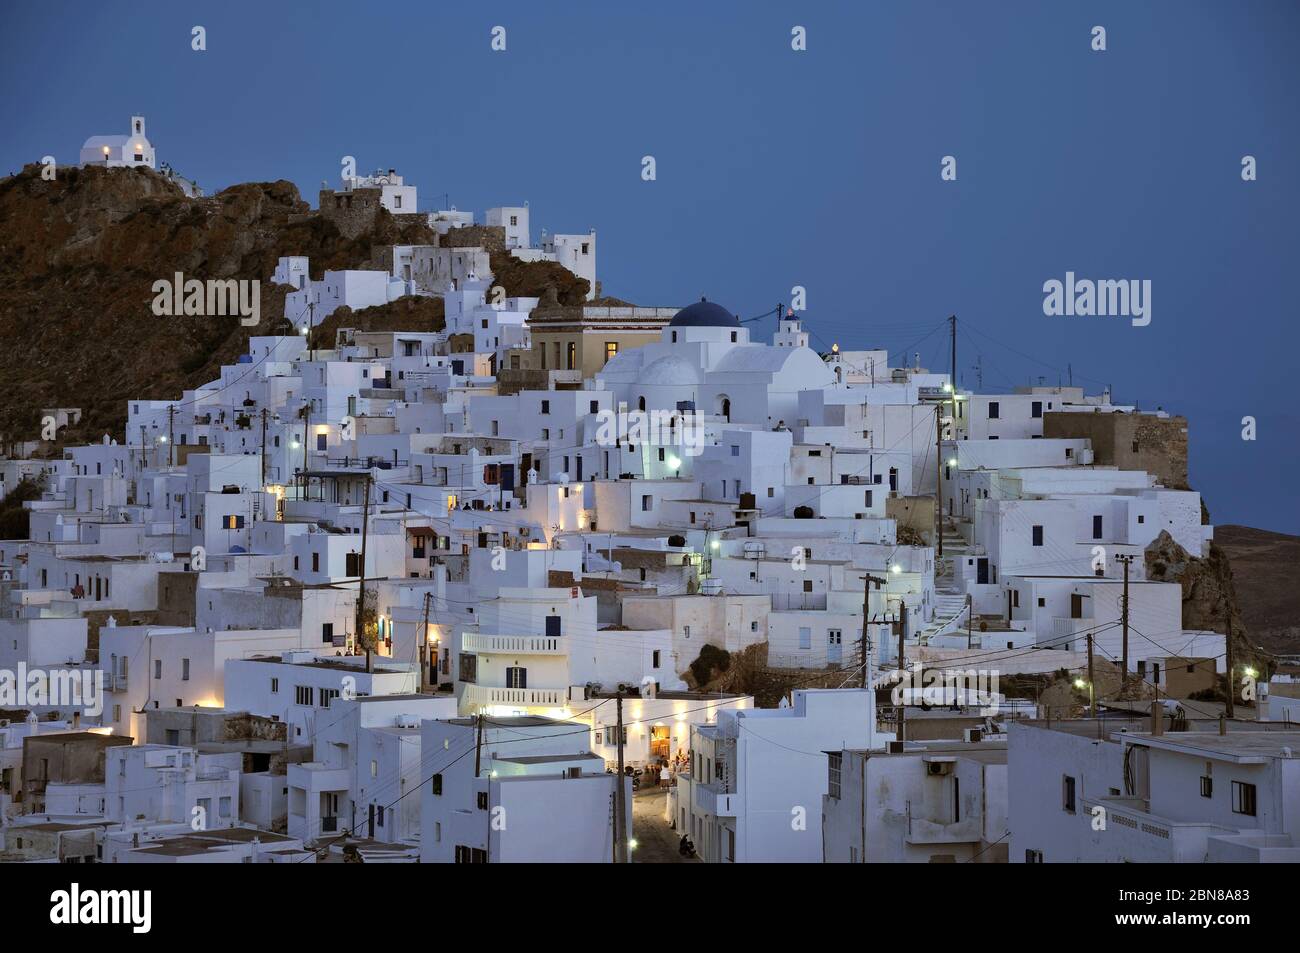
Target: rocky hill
79,256
1266,572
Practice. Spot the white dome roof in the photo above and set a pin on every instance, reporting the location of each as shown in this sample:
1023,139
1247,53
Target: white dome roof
670,371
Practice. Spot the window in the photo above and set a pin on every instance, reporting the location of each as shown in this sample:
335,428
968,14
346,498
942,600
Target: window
223,807
157,668
185,670
352,565
1243,798
571,356
834,763
1033,856
304,694
437,785
1141,518
482,800
470,855
993,410
546,406
1067,794
315,562
326,694
1038,536
805,637
647,503
1096,527
516,677
275,686
1207,787
327,632
655,659
1036,409
611,350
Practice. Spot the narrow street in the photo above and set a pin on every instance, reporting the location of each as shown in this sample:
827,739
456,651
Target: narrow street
656,842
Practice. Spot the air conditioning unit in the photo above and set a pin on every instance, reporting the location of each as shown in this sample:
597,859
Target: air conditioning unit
937,769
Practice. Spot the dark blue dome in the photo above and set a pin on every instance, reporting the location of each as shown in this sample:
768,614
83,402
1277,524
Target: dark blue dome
704,314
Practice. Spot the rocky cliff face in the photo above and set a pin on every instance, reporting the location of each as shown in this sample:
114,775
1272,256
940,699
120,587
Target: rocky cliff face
1209,595
78,259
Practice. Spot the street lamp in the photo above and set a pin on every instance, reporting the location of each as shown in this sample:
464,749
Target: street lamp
1080,684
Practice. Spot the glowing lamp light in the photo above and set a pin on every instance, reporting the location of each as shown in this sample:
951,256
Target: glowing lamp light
674,463
1251,673
105,150
947,388
294,445
631,844
716,544
303,329
895,568
952,461
1080,683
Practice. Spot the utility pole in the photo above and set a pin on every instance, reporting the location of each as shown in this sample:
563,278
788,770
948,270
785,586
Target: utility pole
424,641
361,587
306,428
902,667
171,435
1228,661
1123,614
263,447
938,477
902,634
1092,697
952,324
867,580
620,789
478,744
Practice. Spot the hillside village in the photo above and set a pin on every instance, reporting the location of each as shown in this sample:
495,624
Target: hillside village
431,570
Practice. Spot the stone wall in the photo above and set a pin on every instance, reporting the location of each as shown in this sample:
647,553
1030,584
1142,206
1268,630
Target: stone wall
1129,441
352,212
491,238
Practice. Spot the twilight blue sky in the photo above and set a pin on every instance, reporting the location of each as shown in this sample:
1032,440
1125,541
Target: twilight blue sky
778,168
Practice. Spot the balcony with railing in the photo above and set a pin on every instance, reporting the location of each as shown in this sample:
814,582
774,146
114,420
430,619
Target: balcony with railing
1125,831
523,697
715,799
514,644
794,601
